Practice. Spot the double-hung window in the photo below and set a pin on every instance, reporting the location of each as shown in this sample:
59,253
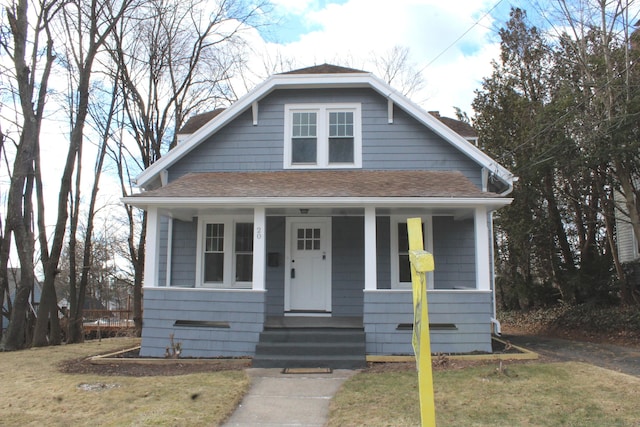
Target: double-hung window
225,252
323,136
400,266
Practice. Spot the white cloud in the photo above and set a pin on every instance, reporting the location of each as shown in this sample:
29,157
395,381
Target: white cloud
350,33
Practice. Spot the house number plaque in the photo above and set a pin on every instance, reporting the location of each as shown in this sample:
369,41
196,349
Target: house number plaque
258,233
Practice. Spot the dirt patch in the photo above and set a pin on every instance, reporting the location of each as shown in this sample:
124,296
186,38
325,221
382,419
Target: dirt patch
612,325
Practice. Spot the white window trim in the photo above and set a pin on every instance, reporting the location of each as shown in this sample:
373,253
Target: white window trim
229,275
322,136
427,224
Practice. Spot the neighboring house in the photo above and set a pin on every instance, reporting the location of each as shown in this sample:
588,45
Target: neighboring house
284,217
14,275
627,244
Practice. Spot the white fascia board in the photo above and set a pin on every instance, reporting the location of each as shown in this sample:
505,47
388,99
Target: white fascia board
445,202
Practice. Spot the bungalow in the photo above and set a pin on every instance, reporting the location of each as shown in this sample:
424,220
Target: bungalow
277,227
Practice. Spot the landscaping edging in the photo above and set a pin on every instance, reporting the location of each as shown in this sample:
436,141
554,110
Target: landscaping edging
523,354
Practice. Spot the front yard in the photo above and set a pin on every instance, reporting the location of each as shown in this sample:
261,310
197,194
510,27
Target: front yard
522,394
34,392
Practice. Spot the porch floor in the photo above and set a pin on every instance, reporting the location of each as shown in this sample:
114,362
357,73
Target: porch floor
291,322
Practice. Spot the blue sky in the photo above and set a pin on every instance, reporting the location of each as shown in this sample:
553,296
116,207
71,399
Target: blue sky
452,41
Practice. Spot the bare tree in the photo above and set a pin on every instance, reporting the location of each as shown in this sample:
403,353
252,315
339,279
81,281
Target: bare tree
86,25
28,42
395,67
170,59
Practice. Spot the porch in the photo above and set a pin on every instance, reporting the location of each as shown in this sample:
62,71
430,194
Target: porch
354,279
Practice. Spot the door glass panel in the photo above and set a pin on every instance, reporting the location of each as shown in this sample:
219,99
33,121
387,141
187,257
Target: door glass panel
308,239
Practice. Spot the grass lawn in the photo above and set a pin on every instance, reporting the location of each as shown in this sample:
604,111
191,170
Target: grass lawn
34,392
534,394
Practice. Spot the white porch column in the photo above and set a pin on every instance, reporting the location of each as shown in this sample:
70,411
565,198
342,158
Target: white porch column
483,257
152,249
259,248
370,264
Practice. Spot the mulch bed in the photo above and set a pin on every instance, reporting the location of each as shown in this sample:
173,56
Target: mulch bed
132,369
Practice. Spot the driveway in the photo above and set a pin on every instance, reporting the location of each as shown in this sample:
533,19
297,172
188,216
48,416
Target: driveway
609,356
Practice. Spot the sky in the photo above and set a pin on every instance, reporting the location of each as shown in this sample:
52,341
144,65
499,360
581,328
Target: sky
450,42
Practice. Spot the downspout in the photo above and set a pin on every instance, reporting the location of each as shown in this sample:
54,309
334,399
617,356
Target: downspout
494,319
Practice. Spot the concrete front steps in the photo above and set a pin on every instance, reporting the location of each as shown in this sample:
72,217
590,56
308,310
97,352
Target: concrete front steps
311,347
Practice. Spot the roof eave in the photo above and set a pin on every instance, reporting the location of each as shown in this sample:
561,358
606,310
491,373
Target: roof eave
470,202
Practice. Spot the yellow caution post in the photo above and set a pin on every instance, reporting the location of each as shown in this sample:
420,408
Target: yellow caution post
421,263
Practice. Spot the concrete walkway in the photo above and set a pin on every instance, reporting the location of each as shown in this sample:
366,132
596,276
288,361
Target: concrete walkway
277,399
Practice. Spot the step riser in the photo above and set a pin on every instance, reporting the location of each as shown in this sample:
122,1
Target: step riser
311,348
318,363
317,337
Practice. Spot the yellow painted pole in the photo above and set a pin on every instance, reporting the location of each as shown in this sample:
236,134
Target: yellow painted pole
421,262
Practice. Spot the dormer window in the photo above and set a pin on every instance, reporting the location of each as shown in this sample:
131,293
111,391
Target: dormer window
323,136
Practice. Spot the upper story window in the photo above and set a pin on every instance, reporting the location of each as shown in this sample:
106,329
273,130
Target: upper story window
323,136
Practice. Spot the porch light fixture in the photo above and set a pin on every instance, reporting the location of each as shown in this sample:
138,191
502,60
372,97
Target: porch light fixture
304,211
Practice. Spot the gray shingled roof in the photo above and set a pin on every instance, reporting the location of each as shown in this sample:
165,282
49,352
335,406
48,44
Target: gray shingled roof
199,120
325,69
461,128
321,183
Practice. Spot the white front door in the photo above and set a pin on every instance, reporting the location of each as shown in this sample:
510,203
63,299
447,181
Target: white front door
308,281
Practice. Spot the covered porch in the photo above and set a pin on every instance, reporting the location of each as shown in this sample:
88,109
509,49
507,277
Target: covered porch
325,255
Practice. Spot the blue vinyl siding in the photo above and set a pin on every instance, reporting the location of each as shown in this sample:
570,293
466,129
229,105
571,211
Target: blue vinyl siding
406,144
183,263
275,274
469,311
163,252
243,311
347,266
454,253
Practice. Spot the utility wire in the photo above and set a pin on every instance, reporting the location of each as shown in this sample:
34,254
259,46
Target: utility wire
460,37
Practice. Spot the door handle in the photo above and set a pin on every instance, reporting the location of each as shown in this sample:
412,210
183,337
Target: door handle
293,273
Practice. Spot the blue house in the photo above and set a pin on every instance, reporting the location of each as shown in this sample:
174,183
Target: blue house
277,227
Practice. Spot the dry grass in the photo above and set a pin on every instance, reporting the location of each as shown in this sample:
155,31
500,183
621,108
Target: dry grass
553,394
34,392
